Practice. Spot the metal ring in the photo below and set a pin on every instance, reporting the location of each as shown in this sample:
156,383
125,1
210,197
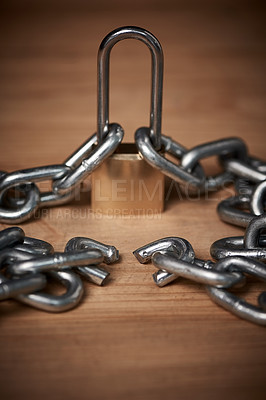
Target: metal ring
234,246
56,261
98,155
216,148
229,210
244,170
35,246
23,212
233,303
130,32
195,273
53,303
110,253
97,275
176,246
29,206
32,175
47,199
196,180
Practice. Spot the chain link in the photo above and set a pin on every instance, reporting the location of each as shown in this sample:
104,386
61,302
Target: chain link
28,261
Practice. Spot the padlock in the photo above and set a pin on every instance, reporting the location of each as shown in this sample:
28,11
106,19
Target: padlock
125,184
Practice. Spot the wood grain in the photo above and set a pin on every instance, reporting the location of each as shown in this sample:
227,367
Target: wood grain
130,339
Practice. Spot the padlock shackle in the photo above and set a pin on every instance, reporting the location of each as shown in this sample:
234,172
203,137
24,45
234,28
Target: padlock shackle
130,32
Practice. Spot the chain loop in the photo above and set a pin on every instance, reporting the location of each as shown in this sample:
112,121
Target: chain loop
196,180
252,245
25,210
97,275
244,170
56,261
223,147
232,302
177,247
235,246
94,157
194,272
57,303
231,210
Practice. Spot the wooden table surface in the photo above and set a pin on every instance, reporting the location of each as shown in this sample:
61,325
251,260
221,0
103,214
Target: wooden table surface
131,339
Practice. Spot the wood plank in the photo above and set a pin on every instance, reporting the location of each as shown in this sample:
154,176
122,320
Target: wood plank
130,339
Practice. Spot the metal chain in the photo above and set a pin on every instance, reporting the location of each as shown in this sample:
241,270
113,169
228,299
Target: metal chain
64,177
20,198
237,257
28,262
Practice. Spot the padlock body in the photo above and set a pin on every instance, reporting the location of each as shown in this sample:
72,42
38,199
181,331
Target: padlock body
125,184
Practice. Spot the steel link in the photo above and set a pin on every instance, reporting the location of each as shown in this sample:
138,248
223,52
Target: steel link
195,273
23,212
97,275
235,246
229,146
100,153
178,247
231,210
189,169
33,196
195,180
56,261
232,302
32,175
244,170
35,246
57,303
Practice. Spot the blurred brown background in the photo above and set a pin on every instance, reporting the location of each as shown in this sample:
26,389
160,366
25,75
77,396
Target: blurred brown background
131,340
